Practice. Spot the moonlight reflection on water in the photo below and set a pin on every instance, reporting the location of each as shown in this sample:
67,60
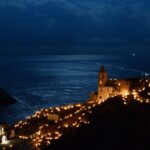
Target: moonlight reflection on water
43,81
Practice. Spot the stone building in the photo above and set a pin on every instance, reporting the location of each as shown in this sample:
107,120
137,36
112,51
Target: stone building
105,89
108,88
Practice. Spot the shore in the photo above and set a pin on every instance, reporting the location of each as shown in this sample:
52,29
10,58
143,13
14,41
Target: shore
80,123
87,125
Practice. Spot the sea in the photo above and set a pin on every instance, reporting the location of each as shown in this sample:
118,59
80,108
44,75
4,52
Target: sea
42,81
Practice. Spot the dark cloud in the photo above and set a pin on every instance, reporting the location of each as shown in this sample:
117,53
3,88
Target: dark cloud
76,24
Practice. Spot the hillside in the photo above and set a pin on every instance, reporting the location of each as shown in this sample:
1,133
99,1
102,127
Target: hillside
5,98
113,126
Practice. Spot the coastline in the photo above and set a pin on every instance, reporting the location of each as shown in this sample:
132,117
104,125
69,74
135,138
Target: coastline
59,129
49,125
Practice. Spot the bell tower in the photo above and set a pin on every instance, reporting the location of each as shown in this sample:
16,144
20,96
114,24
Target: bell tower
102,77
102,80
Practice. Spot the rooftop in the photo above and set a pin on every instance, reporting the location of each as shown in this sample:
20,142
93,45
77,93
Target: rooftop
102,69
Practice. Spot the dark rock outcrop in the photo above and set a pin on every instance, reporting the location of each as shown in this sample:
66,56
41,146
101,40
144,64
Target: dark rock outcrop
5,98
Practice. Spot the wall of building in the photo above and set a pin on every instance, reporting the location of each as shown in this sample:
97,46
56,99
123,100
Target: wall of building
124,87
104,93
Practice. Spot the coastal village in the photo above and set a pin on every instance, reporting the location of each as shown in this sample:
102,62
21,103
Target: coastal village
114,87
50,124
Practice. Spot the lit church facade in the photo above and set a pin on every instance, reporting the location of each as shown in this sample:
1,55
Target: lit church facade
104,90
109,88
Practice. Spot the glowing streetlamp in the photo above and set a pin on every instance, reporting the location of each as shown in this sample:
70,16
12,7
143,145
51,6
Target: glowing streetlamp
135,94
125,93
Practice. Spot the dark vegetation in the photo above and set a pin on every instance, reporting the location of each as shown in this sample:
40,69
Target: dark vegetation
114,126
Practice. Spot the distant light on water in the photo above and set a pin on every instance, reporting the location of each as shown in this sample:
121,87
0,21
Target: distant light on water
133,54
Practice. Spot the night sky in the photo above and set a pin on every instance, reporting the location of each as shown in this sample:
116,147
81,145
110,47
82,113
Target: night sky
75,26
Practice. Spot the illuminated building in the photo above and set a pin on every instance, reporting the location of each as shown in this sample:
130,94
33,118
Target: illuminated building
4,139
109,88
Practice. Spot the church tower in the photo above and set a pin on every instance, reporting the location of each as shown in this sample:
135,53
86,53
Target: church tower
102,88
102,77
